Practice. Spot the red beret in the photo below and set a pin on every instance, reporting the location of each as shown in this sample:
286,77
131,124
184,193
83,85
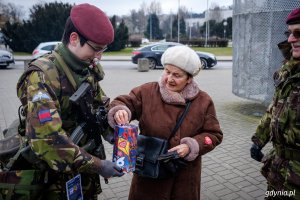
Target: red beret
294,17
92,23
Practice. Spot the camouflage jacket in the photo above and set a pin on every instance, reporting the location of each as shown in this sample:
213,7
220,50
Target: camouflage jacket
281,126
281,122
50,117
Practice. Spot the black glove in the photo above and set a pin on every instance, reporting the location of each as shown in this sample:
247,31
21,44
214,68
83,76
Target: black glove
109,135
109,169
172,162
256,153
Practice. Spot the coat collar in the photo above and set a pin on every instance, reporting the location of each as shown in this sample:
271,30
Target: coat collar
189,92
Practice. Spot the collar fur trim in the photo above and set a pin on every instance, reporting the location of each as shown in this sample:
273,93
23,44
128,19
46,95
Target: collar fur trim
189,92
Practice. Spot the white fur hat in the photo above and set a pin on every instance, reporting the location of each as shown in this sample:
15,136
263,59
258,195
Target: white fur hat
182,57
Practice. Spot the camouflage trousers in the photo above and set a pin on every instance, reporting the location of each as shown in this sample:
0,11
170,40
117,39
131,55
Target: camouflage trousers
37,185
283,177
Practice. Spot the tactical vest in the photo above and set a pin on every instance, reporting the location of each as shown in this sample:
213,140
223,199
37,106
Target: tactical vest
29,182
286,112
51,66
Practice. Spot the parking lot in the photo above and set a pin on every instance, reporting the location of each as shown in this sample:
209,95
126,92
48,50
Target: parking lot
228,172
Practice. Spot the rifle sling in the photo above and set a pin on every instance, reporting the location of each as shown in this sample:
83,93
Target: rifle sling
66,70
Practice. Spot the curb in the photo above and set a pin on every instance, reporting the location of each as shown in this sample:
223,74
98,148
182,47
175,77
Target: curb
120,58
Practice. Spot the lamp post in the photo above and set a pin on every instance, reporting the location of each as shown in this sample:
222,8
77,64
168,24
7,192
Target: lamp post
190,25
206,27
178,24
225,24
150,27
171,26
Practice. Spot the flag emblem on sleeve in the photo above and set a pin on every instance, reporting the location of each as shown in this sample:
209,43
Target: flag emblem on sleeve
44,116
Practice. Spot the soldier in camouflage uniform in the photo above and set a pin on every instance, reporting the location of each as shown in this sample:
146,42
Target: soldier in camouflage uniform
281,123
44,90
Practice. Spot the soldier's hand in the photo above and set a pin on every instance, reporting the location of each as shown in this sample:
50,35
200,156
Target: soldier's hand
256,153
109,169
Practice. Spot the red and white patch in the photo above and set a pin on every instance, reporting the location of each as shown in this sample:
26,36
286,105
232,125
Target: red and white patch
207,140
44,116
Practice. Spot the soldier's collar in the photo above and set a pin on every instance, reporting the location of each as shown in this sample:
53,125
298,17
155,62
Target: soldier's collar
75,64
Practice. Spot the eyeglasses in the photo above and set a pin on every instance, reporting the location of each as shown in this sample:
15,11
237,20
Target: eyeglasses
97,49
296,34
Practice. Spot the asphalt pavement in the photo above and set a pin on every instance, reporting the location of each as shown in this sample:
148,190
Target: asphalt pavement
228,172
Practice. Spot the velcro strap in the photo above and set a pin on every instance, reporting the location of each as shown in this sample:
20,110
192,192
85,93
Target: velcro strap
287,153
21,177
298,112
20,187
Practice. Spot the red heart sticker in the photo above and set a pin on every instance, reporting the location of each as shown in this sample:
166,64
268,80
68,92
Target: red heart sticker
207,140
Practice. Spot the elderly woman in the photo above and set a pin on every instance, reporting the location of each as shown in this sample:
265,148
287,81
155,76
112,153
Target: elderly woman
157,106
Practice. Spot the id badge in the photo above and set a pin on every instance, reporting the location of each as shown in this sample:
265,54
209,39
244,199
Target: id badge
74,189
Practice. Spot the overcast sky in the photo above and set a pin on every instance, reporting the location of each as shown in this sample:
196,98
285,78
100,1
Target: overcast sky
123,7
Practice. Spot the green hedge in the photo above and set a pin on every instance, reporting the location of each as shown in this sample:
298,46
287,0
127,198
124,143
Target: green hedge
201,42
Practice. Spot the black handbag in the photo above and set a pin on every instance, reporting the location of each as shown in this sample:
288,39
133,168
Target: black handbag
153,159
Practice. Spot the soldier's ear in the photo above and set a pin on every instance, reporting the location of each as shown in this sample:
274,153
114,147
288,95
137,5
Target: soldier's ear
74,39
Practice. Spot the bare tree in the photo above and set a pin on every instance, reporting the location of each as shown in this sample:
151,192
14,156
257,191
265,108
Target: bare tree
14,12
143,7
138,20
154,8
183,12
215,12
10,12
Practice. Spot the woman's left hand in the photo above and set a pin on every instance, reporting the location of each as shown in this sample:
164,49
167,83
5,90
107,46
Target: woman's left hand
182,150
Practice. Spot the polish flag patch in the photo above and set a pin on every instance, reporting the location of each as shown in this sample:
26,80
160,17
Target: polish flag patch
44,116
207,140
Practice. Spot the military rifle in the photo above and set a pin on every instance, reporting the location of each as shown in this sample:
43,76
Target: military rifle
93,122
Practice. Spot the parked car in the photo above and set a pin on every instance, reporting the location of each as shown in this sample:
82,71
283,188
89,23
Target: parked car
6,58
43,48
153,53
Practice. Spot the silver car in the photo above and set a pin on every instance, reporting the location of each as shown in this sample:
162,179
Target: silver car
6,58
43,48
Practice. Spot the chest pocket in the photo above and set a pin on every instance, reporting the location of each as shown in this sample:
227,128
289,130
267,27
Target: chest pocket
294,103
286,117
286,113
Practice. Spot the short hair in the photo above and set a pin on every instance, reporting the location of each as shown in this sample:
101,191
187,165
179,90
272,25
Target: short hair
70,28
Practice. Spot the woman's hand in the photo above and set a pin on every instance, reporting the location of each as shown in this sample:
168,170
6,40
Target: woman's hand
182,150
121,117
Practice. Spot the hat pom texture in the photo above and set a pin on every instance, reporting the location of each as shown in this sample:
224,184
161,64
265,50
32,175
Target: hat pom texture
182,57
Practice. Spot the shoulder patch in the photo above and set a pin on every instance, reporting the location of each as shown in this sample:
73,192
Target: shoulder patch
40,96
44,116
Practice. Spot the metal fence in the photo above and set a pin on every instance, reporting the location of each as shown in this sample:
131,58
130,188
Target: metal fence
258,26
